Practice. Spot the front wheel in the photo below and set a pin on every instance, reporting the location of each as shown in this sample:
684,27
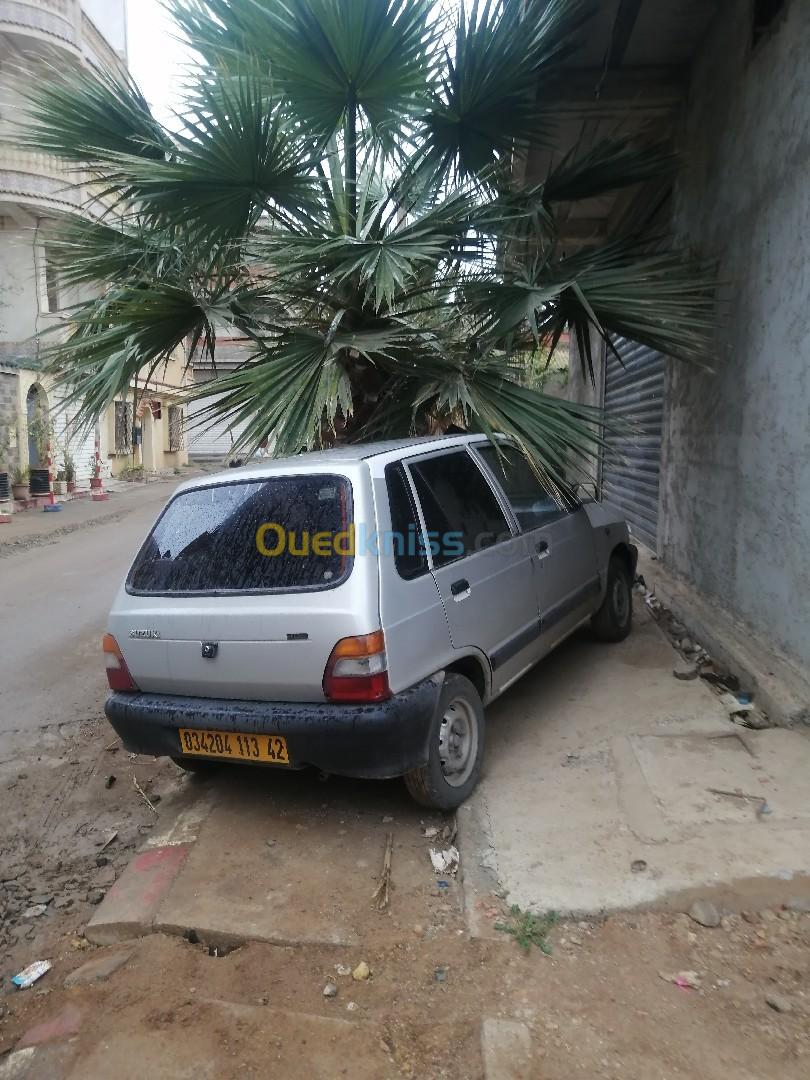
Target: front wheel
455,751
614,619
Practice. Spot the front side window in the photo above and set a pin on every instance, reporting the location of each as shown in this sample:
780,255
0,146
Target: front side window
531,503
462,513
285,533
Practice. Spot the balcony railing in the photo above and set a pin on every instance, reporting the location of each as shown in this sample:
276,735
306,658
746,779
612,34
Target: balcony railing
58,22
37,179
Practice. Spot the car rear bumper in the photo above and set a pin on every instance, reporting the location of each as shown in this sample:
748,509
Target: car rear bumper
382,740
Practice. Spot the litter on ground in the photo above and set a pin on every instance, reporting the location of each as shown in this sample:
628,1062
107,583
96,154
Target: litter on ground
28,976
445,862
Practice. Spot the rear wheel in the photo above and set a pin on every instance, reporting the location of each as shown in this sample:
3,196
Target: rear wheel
614,619
456,748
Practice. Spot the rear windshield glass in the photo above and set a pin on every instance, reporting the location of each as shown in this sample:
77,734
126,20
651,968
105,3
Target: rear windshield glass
288,532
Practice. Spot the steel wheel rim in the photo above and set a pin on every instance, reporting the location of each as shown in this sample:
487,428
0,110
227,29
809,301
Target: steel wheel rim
458,742
620,600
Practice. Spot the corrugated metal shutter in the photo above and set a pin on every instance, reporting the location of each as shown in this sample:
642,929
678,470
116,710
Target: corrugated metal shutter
207,441
634,394
79,442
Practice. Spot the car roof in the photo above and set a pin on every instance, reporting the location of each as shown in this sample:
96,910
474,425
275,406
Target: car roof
338,457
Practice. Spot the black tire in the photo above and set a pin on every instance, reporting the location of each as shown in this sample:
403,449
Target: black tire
431,784
195,765
614,619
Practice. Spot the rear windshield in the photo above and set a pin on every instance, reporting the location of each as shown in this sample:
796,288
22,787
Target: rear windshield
286,533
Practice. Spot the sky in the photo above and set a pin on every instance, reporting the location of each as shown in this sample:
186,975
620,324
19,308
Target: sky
156,60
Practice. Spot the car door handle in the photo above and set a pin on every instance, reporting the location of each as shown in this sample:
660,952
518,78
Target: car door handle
542,548
459,587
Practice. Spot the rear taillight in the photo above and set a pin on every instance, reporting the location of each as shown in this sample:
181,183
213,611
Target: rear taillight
357,670
118,675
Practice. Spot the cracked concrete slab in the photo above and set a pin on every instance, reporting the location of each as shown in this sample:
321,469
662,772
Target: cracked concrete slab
600,760
270,863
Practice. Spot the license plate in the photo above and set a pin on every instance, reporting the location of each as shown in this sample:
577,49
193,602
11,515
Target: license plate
236,747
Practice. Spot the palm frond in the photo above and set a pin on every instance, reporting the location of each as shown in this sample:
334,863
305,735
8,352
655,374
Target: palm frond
610,165
488,97
327,55
113,340
289,389
88,251
234,161
479,391
661,299
383,263
221,31
560,438
86,114
498,307
623,288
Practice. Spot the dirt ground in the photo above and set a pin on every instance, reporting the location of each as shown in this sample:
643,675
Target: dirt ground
59,805
598,1006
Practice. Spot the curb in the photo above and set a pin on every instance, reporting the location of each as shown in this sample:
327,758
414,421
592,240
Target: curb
130,907
479,874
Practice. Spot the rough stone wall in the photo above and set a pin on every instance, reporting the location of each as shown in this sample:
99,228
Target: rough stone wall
735,504
8,418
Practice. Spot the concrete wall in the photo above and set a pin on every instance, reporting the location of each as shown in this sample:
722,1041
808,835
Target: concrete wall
23,305
18,283
735,504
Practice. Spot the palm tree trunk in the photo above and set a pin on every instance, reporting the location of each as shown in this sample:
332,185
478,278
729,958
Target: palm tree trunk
351,162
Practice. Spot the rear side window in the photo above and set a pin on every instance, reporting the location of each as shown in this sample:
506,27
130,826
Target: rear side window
407,543
531,503
462,513
285,533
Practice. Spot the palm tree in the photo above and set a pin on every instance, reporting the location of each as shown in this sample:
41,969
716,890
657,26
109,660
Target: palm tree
341,190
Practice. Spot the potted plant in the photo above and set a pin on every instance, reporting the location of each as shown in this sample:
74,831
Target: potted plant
70,473
59,482
19,484
95,473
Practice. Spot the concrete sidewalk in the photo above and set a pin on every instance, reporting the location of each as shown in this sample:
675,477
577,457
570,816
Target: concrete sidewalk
31,528
598,789
276,857
600,794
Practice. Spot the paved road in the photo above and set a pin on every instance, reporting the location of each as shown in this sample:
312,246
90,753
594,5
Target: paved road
54,600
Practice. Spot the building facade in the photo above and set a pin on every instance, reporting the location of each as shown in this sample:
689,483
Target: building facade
33,305
715,478
735,482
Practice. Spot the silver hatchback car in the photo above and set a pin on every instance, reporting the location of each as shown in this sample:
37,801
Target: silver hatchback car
355,610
